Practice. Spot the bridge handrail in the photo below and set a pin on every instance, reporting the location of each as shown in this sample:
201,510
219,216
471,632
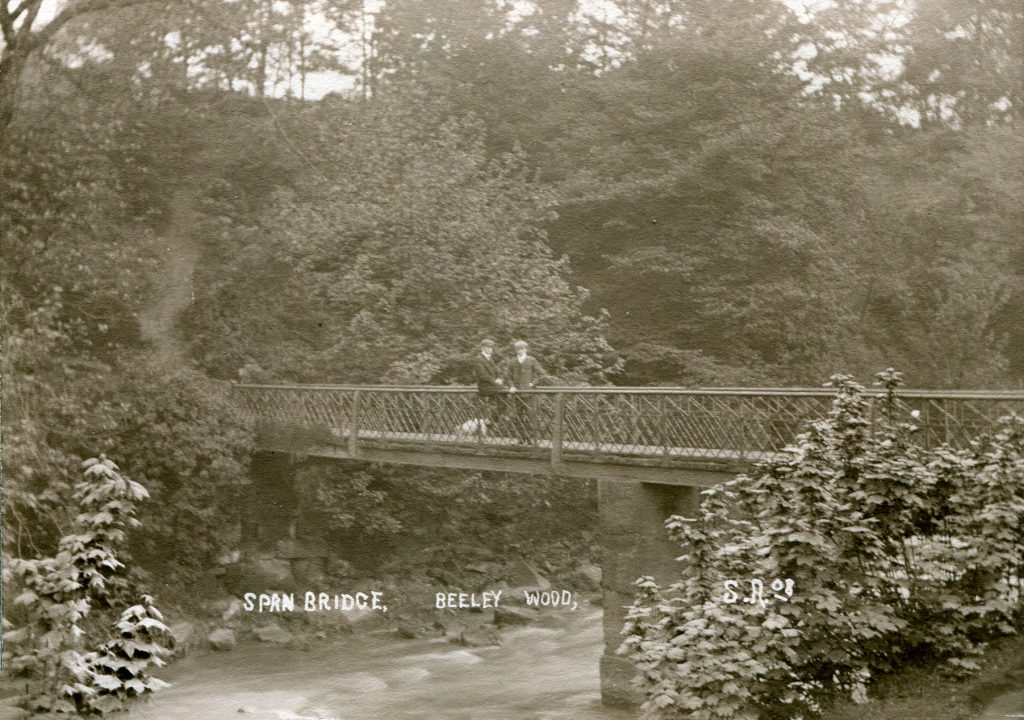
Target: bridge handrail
666,427
646,390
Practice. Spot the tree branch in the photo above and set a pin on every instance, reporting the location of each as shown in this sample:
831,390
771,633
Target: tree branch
76,10
26,25
21,42
22,6
6,24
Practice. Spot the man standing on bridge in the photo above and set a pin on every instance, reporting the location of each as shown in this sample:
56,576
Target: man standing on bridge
524,373
489,382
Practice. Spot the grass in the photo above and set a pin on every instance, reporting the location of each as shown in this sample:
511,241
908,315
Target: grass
927,694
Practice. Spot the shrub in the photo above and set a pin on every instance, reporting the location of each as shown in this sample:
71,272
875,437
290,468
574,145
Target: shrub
895,553
179,432
58,594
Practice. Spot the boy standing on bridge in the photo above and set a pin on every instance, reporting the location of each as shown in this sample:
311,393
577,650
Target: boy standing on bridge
489,382
524,373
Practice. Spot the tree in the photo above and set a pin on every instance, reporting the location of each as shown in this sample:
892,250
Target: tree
402,247
964,64
690,175
739,228
79,207
22,38
945,212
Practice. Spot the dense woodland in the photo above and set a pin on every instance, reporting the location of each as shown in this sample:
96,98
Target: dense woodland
676,192
687,193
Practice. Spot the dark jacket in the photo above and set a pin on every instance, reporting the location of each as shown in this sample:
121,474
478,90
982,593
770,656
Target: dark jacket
526,374
487,372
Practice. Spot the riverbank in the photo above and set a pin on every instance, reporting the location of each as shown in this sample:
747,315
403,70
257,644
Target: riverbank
216,619
462,593
926,694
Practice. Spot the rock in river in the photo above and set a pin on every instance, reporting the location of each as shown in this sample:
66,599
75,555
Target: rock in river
513,616
222,639
273,633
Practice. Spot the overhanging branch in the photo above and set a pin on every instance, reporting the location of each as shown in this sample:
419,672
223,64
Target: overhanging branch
75,10
22,6
26,25
7,25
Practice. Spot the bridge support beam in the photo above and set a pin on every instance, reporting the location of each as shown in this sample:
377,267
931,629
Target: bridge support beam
634,543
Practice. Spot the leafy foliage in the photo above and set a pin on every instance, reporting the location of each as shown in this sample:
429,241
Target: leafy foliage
348,502
372,510
189,445
72,242
186,443
403,246
964,66
59,592
737,227
121,665
782,236
80,206
897,554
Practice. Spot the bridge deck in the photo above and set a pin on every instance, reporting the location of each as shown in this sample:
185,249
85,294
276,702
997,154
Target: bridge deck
691,466
663,435
590,448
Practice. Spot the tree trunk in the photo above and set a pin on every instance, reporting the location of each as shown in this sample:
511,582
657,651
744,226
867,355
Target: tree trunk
261,71
11,68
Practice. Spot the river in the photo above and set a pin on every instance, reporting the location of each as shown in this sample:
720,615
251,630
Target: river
539,673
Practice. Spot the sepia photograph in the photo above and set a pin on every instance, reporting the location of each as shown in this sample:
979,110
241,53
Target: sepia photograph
512,359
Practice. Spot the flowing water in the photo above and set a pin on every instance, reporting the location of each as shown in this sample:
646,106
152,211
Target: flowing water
548,673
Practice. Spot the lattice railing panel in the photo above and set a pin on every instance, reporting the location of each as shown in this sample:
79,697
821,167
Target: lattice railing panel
388,413
646,423
526,417
299,407
709,425
785,417
445,414
592,420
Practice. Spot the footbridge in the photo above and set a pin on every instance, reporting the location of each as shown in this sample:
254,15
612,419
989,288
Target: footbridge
650,450
662,435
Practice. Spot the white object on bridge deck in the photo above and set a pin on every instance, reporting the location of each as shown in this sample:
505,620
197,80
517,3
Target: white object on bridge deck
475,426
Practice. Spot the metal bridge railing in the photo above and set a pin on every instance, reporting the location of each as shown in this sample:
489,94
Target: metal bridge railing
566,423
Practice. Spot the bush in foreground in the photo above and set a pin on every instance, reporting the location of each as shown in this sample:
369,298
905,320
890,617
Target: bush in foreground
58,594
896,554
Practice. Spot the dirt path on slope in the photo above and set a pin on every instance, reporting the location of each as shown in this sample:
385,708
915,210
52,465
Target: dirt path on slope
179,250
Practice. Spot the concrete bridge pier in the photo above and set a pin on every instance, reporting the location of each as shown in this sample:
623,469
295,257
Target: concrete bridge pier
282,536
271,504
634,543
